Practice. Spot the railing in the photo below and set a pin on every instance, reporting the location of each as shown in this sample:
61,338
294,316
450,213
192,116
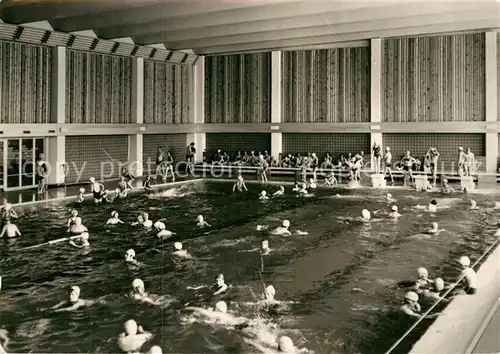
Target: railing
426,313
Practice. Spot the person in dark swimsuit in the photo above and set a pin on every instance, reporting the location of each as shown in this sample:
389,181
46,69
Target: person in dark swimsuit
160,159
97,190
41,174
376,153
169,166
407,162
190,153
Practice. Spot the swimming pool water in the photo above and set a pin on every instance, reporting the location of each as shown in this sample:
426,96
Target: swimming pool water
342,276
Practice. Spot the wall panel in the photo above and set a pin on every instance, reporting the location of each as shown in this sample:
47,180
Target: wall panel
167,90
335,143
326,85
96,156
434,79
98,88
446,143
175,143
25,83
238,88
234,142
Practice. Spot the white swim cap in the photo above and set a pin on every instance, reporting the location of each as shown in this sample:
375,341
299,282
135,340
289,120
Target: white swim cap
221,306
438,284
389,195
114,213
460,148
311,180
76,289
155,350
412,296
422,272
130,327
271,290
137,283
465,261
199,218
220,276
156,225
435,225
82,190
285,223
365,214
162,226
263,193
92,179
74,212
395,208
130,252
85,235
178,246
285,345
388,149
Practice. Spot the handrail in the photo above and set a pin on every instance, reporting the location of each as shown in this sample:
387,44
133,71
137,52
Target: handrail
417,322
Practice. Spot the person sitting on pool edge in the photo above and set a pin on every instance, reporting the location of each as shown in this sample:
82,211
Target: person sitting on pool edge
81,242
330,180
80,196
200,221
123,188
179,252
240,185
74,302
147,183
114,220
97,189
134,337
10,229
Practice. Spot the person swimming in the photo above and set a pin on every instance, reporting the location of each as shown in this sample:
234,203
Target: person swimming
155,350
423,280
434,228
114,220
279,192
269,293
264,247
139,293
77,228
433,206
411,307
263,196
74,302
72,218
10,230
445,188
163,233
283,229
296,187
389,198
123,188
220,285
97,189
240,185
80,196
81,242
178,251
284,345
8,212
473,205
200,221
312,184
134,337
130,257
469,276
365,215
394,212
147,222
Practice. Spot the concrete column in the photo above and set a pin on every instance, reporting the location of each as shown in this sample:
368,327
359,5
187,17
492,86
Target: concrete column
198,108
135,141
276,118
491,102
56,145
376,92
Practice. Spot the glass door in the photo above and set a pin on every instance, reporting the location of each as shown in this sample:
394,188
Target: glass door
27,163
13,163
20,159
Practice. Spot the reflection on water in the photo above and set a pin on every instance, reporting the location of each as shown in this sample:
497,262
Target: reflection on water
339,283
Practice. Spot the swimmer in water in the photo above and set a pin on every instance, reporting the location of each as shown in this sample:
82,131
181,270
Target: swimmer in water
240,185
436,290
200,221
8,212
74,302
330,180
433,206
423,280
445,188
283,229
140,221
4,340
147,183
312,184
279,192
469,276
411,307
285,345
130,257
147,223
473,205
296,187
72,219
218,314
97,189
178,251
155,350
269,294
263,196
434,228
10,230
303,190
264,248
365,215
262,227
80,197
81,242
163,233
389,198
139,294
394,212
134,337
114,220
123,188
220,285
77,228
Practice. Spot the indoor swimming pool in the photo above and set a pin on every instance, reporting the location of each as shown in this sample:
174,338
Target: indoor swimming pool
339,282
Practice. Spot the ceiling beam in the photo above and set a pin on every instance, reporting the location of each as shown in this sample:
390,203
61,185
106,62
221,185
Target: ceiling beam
233,17
442,28
23,12
363,26
300,21
141,14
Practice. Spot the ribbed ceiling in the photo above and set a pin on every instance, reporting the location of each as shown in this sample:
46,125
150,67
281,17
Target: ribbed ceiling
218,26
